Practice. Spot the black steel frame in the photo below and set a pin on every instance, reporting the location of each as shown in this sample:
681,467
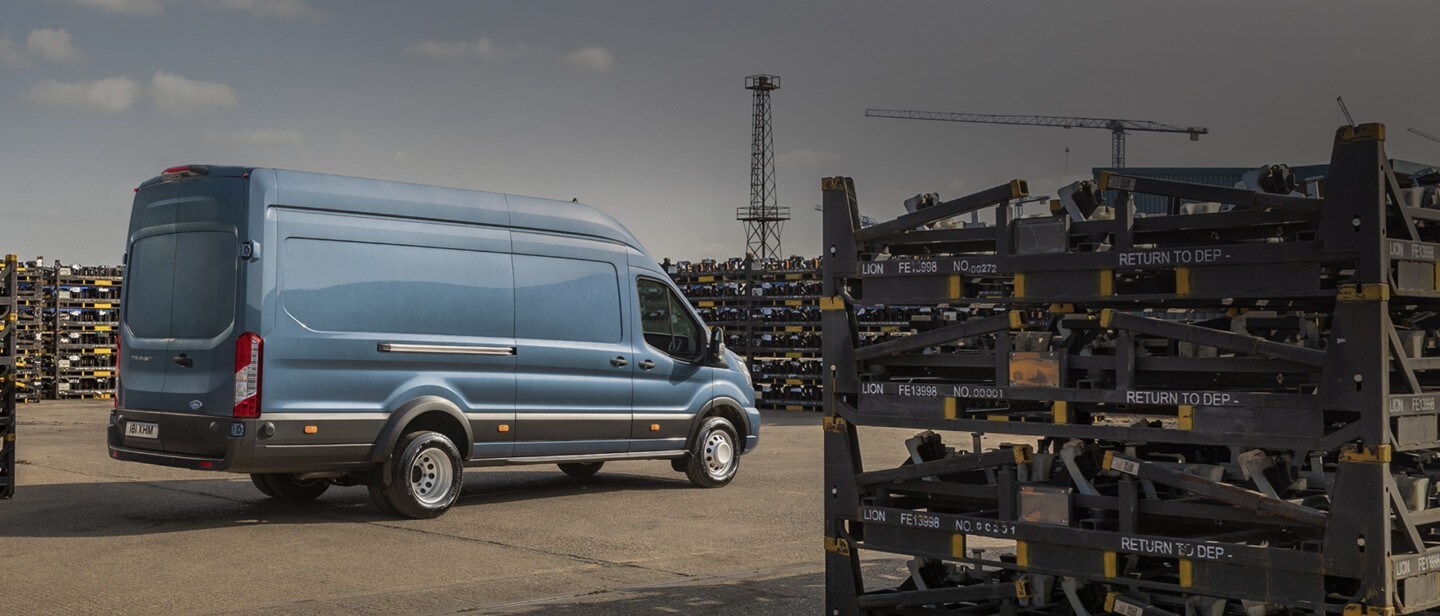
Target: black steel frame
1228,407
9,292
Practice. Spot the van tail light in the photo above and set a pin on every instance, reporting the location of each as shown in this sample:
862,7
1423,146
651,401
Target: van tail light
249,349
115,395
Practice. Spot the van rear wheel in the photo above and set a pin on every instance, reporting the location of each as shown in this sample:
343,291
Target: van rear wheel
425,475
714,458
262,485
581,469
289,487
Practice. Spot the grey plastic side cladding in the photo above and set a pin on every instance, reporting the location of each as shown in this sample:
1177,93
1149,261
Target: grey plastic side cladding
407,412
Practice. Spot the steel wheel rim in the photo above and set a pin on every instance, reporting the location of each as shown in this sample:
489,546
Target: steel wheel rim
719,454
431,475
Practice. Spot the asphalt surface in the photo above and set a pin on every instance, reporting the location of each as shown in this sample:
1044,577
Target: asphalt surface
87,534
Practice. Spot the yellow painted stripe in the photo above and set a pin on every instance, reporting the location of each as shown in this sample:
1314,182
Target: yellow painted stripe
1112,569
1107,282
955,287
1187,417
1187,573
950,412
1022,554
1060,412
1020,284
957,545
1182,281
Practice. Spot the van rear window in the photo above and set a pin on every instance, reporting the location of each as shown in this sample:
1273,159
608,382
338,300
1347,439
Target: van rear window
385,288
181,285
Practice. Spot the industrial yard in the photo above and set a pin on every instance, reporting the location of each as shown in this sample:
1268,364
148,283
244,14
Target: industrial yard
769,308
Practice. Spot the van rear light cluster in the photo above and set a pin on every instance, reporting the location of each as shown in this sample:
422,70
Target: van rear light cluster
249,349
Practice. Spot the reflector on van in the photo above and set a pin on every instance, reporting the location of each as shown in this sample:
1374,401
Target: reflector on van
248,350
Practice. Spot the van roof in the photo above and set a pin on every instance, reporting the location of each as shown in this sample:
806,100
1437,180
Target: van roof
386,197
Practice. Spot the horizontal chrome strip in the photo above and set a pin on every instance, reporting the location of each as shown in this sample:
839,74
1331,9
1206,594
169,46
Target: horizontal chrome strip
448,349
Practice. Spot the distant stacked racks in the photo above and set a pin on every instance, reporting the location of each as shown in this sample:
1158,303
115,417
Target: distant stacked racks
9,317
66,319
771,315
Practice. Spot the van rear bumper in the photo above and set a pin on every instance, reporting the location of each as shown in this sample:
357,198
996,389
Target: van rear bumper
233,444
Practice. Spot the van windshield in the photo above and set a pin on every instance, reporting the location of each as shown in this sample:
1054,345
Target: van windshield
181,285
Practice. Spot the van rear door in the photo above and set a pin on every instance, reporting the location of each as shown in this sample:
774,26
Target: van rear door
180,308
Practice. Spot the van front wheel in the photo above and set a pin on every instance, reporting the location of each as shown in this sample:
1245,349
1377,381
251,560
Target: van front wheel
714,458
425,475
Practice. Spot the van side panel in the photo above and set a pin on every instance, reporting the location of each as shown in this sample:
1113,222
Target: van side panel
574,361
373,312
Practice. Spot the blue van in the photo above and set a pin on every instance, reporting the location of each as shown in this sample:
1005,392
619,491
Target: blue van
314,330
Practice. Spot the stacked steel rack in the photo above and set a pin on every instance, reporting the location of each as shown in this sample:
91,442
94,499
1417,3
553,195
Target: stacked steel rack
30,327
1231,412
85,302
9,317
771,315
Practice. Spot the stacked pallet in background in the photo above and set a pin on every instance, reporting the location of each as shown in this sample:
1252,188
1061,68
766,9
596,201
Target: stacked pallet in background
85,307
1233,410
30,309
9,287
770,312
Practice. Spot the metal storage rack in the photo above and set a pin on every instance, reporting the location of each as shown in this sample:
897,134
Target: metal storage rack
84,309
771,314
9,317
1229,412
30,327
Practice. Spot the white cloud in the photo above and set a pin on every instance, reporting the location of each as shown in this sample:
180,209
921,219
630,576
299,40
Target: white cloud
111,95
178,95
803,159
288,9
590,58
254,136
53,44
126,7
483,48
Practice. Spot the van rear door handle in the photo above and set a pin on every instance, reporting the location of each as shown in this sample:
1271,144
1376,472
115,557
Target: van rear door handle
647,365
619,361
183,360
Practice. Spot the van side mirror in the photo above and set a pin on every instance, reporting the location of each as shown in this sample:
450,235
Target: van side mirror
715,349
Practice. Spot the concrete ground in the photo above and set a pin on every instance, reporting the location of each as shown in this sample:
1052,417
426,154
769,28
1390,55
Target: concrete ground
87,534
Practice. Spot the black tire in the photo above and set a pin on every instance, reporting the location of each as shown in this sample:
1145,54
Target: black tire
289,487
715,456
581,469
262,485
377,497
420,486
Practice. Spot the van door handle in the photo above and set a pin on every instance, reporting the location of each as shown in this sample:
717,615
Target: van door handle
619,361
647,365
183,360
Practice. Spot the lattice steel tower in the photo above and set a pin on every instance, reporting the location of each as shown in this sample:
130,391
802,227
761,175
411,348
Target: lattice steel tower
763,219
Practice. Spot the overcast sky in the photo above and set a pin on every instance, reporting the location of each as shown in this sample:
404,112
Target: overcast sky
639,108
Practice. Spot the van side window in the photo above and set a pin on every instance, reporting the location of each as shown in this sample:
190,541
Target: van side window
665,322
566,299
392,289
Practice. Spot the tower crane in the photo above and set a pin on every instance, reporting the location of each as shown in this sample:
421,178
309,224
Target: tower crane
1118,128
1424,134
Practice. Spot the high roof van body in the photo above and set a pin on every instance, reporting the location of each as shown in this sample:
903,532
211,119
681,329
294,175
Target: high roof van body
313,330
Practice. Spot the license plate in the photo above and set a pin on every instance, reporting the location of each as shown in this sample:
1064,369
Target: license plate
141,429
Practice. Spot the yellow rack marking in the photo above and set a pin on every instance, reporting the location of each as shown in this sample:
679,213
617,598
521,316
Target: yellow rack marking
1019,284
1364,453
1182,281
956,287
1369,292
1374,131
950,412
1107,282
957,545
1060,412
1022,554
832,303
838,546
1187,573
1112,570
1187,417
833,424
